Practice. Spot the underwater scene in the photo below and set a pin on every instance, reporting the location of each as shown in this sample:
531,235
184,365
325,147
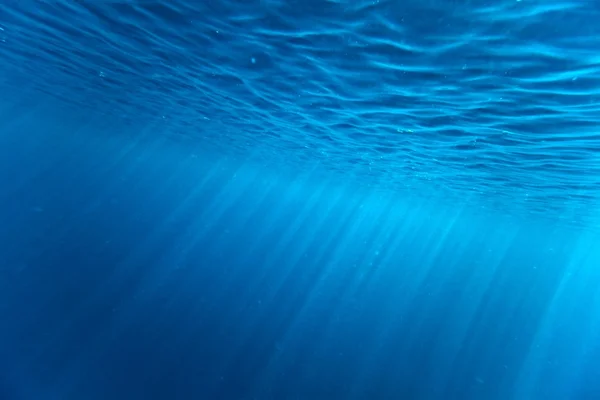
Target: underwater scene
300,199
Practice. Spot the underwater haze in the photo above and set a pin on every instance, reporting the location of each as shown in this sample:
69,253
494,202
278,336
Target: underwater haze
317,199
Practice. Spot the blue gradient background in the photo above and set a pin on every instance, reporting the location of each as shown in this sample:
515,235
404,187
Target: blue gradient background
299,200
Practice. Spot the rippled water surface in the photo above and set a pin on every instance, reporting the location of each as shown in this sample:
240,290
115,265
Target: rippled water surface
495,98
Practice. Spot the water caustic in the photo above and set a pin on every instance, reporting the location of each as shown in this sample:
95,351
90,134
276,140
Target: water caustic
498,99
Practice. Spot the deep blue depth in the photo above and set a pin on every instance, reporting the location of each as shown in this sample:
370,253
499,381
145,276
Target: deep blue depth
300,200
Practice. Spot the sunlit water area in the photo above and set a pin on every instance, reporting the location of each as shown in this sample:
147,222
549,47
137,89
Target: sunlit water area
304,200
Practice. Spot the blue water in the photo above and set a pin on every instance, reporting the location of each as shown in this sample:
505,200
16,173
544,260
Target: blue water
300,199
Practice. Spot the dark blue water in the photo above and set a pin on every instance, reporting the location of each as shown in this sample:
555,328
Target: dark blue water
299,200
